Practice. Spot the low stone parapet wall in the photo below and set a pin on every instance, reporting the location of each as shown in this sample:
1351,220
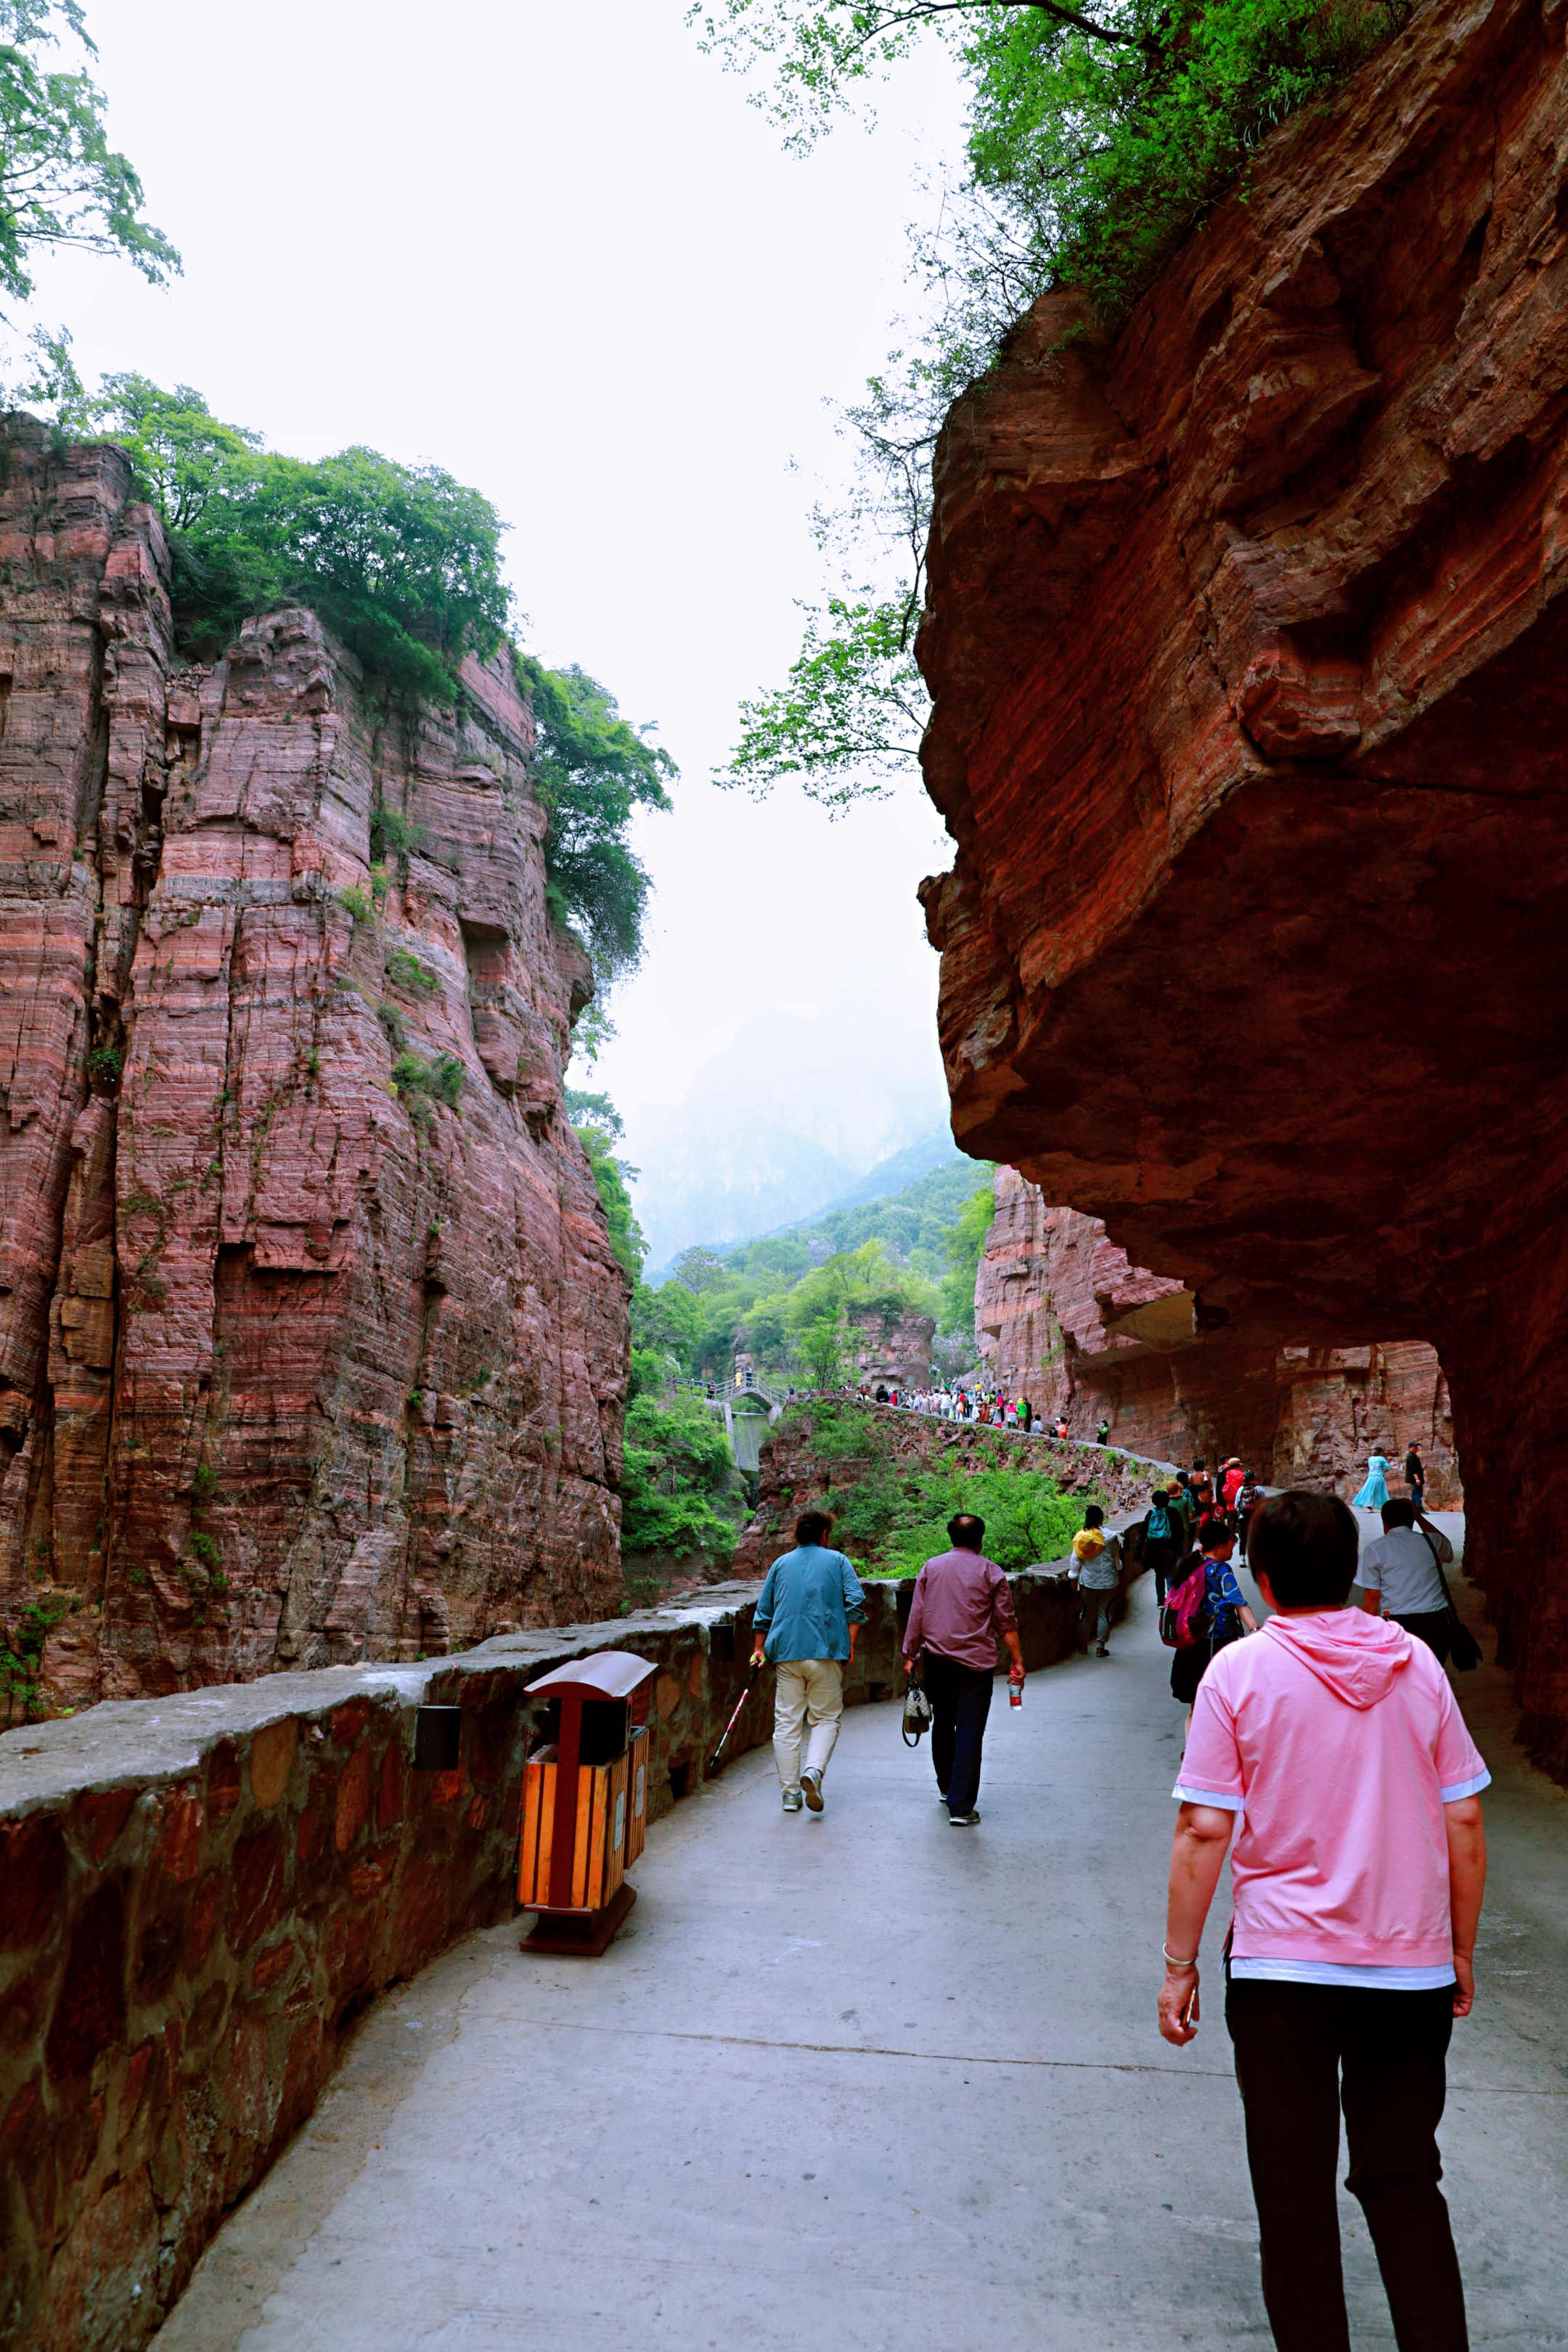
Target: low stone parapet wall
199,1893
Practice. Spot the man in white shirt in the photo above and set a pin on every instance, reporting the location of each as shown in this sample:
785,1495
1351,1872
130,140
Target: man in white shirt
1398,1576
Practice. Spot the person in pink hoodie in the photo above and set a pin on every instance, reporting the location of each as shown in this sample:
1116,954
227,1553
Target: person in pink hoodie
1357,1877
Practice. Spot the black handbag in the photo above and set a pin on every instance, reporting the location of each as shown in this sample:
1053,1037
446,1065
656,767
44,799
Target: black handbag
1463,1647
917,1710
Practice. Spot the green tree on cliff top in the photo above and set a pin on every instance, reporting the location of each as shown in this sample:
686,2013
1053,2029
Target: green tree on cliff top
402,563
1099,135
593,770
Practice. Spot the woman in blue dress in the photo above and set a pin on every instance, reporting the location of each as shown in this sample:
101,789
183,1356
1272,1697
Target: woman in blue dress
1374,1494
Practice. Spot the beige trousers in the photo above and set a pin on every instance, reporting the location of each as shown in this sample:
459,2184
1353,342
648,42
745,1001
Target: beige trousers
810,1690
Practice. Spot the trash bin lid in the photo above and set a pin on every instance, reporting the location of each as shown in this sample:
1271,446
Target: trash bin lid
608,1674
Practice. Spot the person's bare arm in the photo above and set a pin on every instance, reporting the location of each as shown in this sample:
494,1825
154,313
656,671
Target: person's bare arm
1197,1857
854,1629
1466,1886
1371,1600
1016,1652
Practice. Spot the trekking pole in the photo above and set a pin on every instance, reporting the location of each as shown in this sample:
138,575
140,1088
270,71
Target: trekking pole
751,1685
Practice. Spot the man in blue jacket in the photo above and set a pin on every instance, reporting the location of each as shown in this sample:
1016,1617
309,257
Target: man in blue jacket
804,1624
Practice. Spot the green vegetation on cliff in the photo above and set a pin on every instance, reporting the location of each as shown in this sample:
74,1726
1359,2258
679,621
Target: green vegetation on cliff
593,769
785,1300
599,1127
680,1476
1099,136
1101,132
894,1517
403,564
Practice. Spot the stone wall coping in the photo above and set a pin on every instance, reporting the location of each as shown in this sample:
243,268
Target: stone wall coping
154,1741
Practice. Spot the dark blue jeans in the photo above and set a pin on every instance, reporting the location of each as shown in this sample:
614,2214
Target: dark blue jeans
960,1701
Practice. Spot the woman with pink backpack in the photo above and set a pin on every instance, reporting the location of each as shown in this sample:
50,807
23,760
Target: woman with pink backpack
1204,1608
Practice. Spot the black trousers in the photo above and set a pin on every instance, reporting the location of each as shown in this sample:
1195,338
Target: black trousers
1302,2050
1431,1626
959,1699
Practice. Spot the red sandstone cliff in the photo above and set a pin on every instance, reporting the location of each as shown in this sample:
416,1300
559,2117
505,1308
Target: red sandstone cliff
1247,637
1064,1319
296,1366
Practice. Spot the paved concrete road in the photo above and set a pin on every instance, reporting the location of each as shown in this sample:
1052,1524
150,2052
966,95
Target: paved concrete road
870,2082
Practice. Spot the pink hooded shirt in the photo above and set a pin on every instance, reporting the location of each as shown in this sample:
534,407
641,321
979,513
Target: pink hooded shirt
1337,1738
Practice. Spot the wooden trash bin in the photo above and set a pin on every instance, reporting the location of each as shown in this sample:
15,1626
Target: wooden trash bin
584,1804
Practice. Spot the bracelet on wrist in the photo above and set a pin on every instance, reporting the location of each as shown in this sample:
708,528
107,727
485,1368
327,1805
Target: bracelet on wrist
1170,1962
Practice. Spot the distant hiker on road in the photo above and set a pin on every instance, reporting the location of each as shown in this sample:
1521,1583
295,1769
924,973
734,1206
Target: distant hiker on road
1398,1576
806,1621
961,1603
1096,1570
1249,1501
1357,1878
1230,1484
1416,1476
1374,1494
1103,1435
1161,1541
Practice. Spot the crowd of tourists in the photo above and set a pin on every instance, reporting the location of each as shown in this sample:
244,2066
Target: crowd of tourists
993,1408
1327,1741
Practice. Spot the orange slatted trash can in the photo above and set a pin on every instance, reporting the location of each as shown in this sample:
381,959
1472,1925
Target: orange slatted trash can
584,1804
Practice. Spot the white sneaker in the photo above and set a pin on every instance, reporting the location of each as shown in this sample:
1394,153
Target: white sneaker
791,1801
811,1787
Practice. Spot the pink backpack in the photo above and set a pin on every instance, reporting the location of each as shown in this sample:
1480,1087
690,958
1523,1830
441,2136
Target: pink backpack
1182,1619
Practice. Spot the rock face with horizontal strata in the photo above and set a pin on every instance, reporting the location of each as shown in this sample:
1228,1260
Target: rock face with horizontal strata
1247,635
1063,1318
298,1364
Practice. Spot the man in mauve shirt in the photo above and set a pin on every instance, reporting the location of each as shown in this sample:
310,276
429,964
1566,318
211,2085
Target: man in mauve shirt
961,1603
1357,1880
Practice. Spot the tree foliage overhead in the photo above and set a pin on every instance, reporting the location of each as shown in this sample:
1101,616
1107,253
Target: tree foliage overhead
61,183
593,770
1099,135
853,700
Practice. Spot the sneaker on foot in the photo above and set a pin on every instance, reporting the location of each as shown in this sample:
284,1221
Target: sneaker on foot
1102,1651
963,1820
811,1789
791,1801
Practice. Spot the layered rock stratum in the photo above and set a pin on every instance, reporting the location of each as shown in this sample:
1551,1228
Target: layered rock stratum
300,1364
1247,637
1063,1318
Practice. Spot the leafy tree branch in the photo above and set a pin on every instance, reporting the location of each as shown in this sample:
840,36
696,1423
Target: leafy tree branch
1098,137
61,183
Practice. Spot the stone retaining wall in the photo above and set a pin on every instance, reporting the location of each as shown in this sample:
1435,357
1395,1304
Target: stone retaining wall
201,1891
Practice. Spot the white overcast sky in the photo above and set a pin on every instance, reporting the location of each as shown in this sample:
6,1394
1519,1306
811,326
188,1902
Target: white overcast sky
552,248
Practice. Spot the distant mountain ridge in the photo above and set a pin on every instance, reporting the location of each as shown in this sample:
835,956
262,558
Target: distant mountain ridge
794,1116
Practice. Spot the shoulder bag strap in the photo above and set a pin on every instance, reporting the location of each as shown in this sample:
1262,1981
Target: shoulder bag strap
1437,1564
